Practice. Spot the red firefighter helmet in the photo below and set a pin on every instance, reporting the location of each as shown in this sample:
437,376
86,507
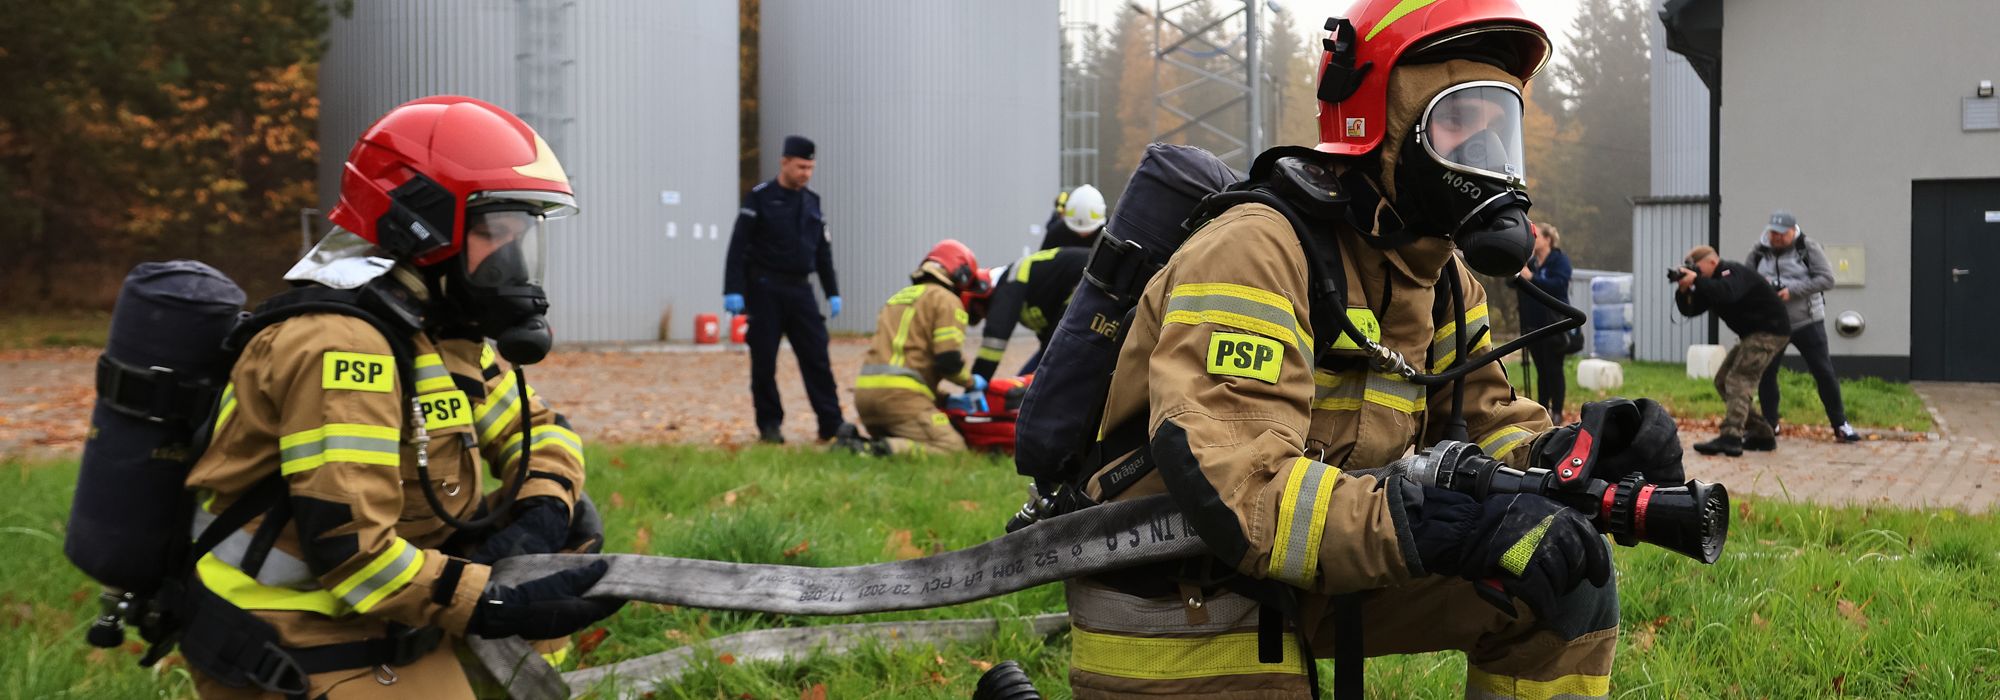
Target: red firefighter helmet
959,265
411,177
1376,35
980,295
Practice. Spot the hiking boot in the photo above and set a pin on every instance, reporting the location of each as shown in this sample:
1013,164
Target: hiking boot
1761,444
770,436
850,438
1846,433
1730,445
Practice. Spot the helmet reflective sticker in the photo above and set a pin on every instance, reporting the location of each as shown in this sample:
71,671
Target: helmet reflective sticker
1475,128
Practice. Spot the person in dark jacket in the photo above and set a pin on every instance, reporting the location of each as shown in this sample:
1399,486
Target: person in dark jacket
1033,292
1798,269
779,239
1548,269
1747,304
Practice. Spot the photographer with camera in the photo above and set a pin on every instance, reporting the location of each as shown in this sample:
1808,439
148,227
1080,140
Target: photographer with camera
1747,304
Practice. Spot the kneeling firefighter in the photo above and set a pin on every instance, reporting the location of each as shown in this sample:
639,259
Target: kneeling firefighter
919,341
1320,322
343,531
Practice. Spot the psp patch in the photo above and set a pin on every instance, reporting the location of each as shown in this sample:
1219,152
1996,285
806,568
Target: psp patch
358,371
1245,355
446,409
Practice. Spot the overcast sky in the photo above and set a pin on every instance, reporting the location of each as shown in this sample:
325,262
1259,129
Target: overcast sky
1553,15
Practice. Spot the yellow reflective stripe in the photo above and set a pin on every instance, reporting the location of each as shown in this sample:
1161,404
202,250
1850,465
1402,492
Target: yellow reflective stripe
381,578
1347,391
1034,319
485,356
1248,308
1022,268
1401,10
1301,521
1503,440
902,334
907,294
228,403
339,442
499,410
992,354
1515,559
1173,658
557,657
1444,343
244,592
948,334
1576,685
544,434
892,381
431,374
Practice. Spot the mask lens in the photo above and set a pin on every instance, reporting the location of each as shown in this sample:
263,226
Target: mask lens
1475,128
503,248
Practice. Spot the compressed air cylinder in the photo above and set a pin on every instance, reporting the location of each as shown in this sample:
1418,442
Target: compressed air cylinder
129,509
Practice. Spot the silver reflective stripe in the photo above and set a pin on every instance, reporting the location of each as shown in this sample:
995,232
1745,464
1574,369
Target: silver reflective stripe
383,577
1301,556
876,370
1105,610
1243,307
500,406
1346,385
339,442
436,371
1395,386
746,211
994,343
543,436
280,569
1445,350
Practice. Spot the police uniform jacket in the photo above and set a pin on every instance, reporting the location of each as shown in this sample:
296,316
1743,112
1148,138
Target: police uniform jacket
1254,429
779,231
319,400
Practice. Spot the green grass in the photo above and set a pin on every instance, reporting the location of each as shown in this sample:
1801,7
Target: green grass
1871,402
54,329
1807,601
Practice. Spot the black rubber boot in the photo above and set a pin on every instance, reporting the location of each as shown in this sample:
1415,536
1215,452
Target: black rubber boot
771,436
1760,444
1730,445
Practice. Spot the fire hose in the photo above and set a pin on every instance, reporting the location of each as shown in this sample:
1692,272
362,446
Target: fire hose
1690,519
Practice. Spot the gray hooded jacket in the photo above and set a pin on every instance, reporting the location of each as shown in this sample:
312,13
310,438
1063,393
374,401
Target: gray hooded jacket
1801,268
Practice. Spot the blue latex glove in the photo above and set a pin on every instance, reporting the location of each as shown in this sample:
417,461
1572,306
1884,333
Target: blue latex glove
833,302
978,386
732,303
978,401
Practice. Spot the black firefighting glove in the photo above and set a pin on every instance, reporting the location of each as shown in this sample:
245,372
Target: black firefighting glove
1626,437
1514,545
540,526
549,607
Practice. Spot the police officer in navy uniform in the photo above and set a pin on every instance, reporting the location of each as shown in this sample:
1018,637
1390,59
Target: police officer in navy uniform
780,238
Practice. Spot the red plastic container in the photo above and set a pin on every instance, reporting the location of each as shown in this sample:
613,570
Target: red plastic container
738,326
707,329
993,431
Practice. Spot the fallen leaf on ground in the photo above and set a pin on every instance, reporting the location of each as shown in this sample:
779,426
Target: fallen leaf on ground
1758,621
816,692
617,500
899,546
969,506
1848,609
727,659
983,666
590,641
798,549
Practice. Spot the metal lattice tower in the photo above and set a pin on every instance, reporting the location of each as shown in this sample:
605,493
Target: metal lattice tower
1079,94
1208,78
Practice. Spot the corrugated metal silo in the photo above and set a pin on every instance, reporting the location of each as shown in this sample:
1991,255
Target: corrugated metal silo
638,100
933,120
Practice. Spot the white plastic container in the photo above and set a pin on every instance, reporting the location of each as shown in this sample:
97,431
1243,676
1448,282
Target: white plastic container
1703,361
1600,375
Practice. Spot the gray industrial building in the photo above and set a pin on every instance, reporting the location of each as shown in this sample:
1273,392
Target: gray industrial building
933,120
1887,150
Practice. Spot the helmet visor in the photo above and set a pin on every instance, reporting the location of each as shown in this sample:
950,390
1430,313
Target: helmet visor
1475,128
503,247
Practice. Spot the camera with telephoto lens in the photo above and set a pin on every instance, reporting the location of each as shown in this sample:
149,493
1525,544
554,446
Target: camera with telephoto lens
1690,518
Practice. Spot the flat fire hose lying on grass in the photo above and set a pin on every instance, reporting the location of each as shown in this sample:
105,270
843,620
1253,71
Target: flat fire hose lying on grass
1091,541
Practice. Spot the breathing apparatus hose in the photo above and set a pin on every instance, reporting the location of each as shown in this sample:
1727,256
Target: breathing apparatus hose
513,487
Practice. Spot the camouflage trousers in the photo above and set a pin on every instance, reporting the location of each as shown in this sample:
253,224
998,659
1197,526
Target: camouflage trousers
1737,381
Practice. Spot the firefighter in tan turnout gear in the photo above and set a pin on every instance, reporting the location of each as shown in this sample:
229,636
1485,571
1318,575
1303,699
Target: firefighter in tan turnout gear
375,560
1255,418
919,341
